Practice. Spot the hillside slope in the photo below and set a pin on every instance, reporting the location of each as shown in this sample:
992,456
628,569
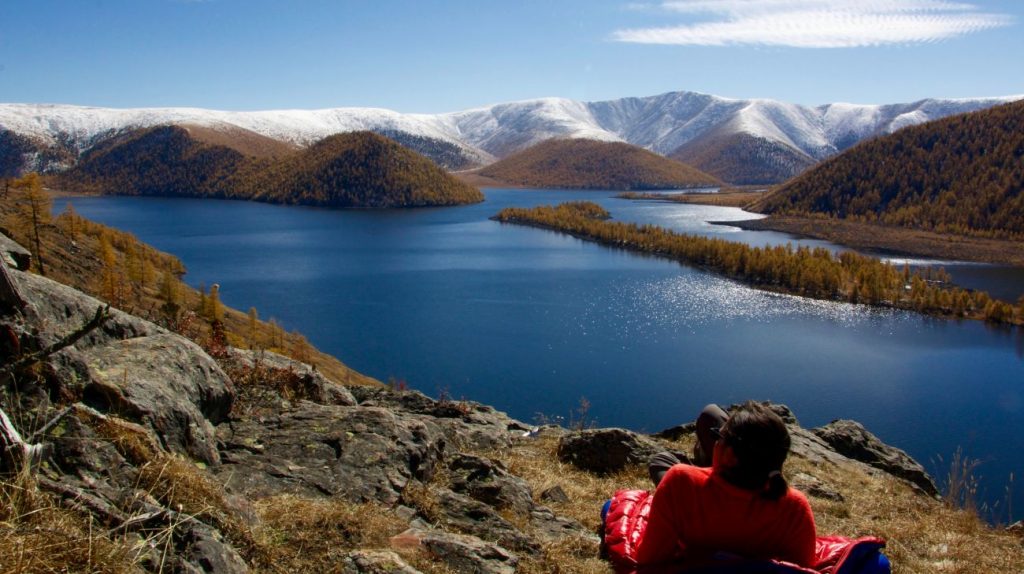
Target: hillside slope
461,140
590,164
359,169
960,175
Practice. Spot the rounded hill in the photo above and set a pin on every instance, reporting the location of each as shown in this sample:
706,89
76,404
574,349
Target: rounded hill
591,164
360,169
963,174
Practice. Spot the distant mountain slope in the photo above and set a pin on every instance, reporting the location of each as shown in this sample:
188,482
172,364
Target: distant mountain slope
963,174
742,158
359,169
775,135
590,164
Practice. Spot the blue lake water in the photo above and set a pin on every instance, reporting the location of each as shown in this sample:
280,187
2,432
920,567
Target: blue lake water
530,321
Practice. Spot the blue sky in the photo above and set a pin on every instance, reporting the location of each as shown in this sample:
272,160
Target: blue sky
423,56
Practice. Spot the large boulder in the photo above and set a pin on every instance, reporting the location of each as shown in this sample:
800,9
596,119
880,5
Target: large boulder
358,453
467,425
130,367
606,450
851,439
302,380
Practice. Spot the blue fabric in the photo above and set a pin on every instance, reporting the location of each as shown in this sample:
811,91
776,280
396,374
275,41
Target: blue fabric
604,510
866,559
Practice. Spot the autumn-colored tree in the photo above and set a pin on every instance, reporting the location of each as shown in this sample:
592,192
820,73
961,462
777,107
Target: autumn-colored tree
109,272
33,212
253,328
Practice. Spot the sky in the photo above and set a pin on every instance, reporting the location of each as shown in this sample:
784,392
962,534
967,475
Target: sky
438,56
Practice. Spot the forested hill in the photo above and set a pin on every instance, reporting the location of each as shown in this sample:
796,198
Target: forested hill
962,174
358,169
591,164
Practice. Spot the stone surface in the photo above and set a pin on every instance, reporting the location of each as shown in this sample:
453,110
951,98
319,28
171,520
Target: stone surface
466,424
205,551
851,439
554,494
462,553
813,486
375,562
13,254
132,368
605,450
464,514
358,453
488,481
310,383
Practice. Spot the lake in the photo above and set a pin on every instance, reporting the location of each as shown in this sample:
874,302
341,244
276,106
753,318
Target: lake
531,321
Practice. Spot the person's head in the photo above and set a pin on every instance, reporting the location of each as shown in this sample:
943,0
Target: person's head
753,445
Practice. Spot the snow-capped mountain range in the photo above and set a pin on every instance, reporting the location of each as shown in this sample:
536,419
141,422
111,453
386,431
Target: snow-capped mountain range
662,123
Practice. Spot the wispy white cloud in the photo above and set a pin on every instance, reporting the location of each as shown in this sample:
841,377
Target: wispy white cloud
816,23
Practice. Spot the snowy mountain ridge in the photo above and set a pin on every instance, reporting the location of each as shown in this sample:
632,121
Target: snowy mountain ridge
661,123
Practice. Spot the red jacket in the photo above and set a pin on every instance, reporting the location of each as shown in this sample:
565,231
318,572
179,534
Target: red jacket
626,524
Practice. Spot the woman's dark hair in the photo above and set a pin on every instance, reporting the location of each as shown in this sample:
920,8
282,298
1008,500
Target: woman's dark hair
760,441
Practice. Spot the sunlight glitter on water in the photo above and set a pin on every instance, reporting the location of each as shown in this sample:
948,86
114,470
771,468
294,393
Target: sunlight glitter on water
696,300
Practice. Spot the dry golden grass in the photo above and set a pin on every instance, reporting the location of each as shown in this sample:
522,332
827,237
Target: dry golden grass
923,535
304,535
38,535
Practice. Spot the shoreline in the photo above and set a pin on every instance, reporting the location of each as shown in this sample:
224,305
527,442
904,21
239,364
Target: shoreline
886,240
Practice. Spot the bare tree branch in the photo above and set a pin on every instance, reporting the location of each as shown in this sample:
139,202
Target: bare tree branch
102,314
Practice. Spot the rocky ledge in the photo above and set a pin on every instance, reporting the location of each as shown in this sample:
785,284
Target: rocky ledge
128,394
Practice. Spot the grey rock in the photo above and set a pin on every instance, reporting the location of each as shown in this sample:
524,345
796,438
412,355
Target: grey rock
815,487
375,562
851,439
549,527
310,383
554,494
677,432
467,425
462,553
204,550
165,382
464,514
358,453
13,254
605,450
132,368
489,482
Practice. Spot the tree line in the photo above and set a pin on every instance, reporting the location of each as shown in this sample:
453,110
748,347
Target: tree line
359,169
962,175
815,273
591,164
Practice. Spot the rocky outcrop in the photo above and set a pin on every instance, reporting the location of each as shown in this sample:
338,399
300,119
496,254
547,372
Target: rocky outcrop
129,367
851,439
358,453
606,450
302,380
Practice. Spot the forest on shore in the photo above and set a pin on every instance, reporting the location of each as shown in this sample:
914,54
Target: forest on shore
815,273
962,175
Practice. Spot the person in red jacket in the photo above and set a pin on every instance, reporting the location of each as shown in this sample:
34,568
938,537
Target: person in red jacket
740,506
